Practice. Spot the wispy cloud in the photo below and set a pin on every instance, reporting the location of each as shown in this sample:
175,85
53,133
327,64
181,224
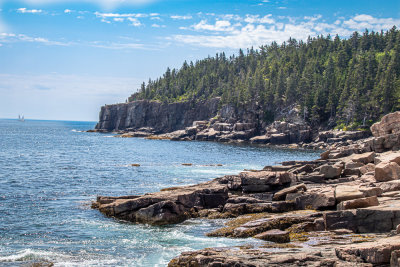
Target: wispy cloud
32,11
11,38
158,26
130,17
177,17
267,19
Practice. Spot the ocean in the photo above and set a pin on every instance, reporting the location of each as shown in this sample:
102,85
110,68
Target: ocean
50,171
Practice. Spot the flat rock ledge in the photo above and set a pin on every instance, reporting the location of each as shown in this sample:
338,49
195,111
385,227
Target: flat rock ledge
340,210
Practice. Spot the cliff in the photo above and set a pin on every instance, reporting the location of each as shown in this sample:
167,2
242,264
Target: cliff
162,117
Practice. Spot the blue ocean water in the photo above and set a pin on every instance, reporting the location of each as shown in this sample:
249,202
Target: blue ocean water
50,172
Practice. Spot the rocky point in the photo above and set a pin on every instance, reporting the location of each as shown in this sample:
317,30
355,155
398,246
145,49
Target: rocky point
340,210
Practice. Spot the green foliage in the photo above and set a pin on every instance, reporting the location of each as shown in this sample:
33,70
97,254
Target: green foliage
354,81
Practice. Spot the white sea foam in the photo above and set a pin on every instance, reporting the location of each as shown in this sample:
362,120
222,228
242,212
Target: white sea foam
30,254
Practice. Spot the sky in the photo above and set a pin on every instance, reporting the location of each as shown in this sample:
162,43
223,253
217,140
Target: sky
63,60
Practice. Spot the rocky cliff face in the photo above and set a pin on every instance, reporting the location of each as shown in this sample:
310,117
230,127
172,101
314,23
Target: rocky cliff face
161,117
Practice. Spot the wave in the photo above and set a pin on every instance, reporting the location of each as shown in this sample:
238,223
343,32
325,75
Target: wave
31,255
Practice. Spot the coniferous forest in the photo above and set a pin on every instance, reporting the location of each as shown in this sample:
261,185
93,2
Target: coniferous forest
335,82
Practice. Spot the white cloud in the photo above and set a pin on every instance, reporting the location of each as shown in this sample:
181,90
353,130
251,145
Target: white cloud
158,26
313,18
67,11
12,37
117,15
230,17
267,19
223,34
131,17
186,17
32,11
220,25
135,22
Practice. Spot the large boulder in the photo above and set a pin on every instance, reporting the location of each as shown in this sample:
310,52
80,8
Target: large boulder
172,205
274,235
387,171
263,181
331,171
280,195
389,124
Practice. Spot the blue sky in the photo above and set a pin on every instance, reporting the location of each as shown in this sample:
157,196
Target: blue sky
64,59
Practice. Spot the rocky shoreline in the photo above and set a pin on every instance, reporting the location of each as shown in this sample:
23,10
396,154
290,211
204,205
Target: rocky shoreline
209,121
340,210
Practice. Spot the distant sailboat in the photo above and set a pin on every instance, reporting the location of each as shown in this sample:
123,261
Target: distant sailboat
21,118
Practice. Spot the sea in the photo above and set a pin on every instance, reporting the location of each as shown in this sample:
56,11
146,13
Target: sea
51,171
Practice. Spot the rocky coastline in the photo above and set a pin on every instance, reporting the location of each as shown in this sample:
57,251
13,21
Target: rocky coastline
207,121
342,209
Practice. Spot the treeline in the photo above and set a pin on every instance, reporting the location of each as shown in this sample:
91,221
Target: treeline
334,81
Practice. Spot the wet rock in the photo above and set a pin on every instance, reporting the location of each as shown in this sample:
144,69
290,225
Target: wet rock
133,134
279,139
387,171
358,203
262,139
172,205
274,235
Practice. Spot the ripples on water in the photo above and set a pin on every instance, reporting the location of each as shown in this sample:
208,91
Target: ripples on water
51,170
